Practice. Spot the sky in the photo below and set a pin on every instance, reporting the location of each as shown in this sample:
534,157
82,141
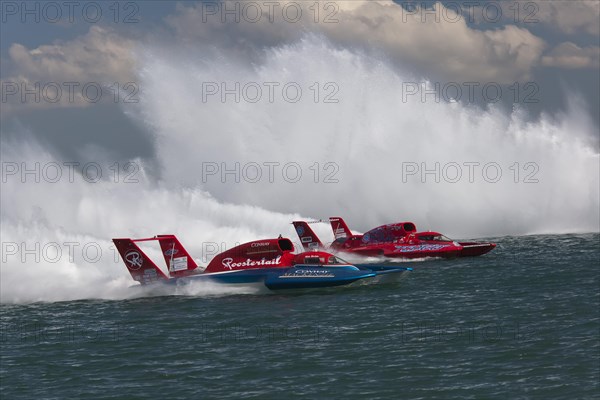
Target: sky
222,122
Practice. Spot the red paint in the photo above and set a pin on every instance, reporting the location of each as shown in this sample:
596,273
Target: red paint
259,254
398,240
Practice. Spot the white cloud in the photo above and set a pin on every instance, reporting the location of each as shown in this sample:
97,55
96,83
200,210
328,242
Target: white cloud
100,57
569,55
443,46
570,17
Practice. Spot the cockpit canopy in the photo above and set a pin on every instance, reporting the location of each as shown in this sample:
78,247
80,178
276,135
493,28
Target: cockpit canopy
433,236
318,258
389,232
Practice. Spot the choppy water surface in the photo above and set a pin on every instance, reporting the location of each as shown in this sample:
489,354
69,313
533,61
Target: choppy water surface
520,322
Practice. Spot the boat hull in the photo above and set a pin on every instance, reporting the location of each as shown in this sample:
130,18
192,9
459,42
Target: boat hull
473,249
298,276
423,250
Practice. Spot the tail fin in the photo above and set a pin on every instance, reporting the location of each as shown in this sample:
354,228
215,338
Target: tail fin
141,268
309,239
178,260
340,229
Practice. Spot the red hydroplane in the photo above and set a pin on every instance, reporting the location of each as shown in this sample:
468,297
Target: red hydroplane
268,262
398,240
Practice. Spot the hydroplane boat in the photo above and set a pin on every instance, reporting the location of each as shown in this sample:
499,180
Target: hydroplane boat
269,263
397,240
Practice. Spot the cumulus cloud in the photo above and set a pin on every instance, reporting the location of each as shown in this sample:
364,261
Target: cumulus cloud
569,55
442,45
439,45
101,57
570,17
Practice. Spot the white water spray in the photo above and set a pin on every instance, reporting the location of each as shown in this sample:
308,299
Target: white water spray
371,135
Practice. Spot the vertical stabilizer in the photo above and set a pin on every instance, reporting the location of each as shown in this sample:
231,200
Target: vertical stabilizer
308,238
178,260
141,268
340,229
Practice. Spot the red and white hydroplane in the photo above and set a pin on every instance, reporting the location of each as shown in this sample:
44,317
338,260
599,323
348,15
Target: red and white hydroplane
397,240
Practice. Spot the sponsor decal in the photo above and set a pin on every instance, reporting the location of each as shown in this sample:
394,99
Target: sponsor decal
171,252
133,260
340,232
261,244
394,227
178,264
306,239
419,247
313,246
149,276
300,230
229,264
308,273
